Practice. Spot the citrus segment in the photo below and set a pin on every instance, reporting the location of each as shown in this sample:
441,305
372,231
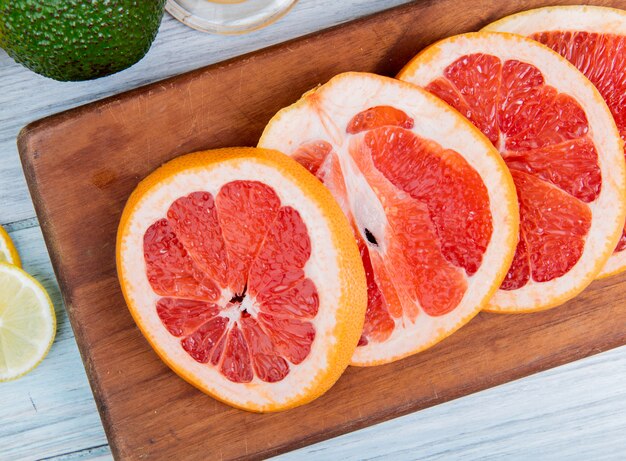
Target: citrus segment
170,269
432,206
27,322
312,155
242,273
379,323
246,211
202,343
8,252
379,116
549,125
267,365
553,225
594,40
414,265
184,316
464,233
572,166
195,222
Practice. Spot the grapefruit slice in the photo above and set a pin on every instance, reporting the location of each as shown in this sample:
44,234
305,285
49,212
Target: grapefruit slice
592,38
558,137
242,273
430,200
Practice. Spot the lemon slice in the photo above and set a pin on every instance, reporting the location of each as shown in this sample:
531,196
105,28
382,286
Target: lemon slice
8,253
27,322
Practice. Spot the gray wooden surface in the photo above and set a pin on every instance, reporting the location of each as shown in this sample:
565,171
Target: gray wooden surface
577,411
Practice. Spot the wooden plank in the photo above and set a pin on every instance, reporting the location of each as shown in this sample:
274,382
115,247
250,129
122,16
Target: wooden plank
143,423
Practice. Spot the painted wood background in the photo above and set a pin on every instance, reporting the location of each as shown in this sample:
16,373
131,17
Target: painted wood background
577,411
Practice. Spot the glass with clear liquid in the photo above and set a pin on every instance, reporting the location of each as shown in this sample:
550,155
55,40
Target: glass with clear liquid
228,16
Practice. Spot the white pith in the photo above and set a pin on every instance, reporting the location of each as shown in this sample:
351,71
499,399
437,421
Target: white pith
321,268
563,18
324,115
607,210
577,18
44,322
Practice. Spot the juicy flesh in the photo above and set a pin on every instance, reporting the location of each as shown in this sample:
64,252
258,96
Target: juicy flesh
601,58
435,224
230,273
543,136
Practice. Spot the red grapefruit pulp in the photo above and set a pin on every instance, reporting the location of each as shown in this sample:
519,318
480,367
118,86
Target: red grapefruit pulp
245,243
547,128
594,40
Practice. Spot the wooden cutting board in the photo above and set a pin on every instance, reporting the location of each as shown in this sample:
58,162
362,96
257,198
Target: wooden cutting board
81,166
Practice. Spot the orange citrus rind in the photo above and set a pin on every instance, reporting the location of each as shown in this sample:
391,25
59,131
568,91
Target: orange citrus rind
334,266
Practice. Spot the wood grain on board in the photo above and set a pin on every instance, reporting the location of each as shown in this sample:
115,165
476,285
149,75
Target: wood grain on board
81,166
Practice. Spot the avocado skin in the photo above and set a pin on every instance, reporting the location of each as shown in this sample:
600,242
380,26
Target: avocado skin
71,40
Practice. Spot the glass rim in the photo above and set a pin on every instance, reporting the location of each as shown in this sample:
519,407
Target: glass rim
176,10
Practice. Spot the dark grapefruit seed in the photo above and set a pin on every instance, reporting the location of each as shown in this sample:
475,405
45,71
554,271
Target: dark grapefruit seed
194,221
245,209
236,364
170,269
378,116
182,317
201,343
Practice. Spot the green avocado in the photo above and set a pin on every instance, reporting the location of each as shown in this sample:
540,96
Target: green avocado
72,40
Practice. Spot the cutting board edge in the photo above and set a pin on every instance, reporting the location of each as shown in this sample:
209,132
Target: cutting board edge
23,141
